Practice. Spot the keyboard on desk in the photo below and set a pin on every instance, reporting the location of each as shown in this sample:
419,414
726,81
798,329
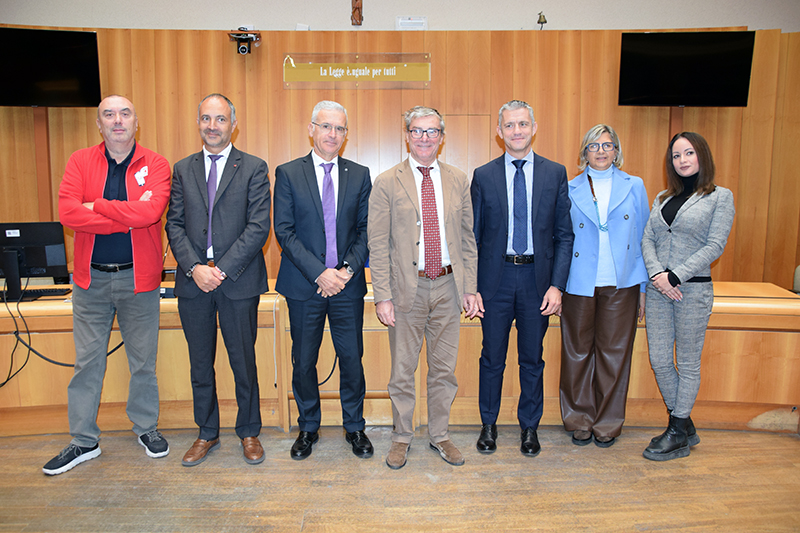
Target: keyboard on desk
37,292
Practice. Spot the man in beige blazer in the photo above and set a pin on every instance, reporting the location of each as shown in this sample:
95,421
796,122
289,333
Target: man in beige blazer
423,262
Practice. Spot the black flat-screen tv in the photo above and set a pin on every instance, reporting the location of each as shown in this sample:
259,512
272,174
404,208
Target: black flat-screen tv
49,68
686,69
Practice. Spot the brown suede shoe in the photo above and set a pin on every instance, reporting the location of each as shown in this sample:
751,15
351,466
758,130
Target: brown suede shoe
398,454
252,450
581,437
449,452
197,453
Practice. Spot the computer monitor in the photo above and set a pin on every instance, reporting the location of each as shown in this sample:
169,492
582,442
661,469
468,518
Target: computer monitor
31,250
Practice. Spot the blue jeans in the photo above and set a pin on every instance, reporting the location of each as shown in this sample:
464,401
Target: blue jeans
110,294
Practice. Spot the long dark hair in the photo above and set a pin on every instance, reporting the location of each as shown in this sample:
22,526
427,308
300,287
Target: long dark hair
705,178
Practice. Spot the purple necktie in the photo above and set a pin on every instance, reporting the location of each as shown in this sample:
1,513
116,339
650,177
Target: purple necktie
212,192
329,212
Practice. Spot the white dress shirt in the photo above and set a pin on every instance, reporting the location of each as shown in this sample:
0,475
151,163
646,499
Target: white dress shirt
436,178
511,171
320,172
220,169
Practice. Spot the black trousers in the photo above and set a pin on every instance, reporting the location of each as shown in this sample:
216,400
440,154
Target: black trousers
345,318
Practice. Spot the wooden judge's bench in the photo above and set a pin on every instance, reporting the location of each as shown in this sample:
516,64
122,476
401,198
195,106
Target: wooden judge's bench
750,369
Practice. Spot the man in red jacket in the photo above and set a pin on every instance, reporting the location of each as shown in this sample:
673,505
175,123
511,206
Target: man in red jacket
112,196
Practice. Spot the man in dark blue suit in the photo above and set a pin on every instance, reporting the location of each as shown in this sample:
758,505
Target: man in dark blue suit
221,271
321,203
524,236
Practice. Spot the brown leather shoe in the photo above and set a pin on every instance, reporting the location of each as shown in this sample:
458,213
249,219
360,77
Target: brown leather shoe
252,450
397,456
449,452
197,453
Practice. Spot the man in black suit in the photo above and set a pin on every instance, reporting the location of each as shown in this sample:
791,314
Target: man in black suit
524,236
321,203
221,270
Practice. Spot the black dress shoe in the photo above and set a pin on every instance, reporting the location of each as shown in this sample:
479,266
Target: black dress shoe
302,446
362,447
487,442
530,443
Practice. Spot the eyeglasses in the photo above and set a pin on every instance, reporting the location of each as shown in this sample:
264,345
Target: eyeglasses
416,133
326,128
595,147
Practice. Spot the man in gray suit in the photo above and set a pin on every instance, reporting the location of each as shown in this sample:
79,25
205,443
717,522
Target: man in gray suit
217,228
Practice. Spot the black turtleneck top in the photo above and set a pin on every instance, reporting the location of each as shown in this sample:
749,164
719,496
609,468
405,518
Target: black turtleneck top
671,208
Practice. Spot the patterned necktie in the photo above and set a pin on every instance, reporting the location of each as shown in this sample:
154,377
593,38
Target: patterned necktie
430,226
520,242
329,213
212,192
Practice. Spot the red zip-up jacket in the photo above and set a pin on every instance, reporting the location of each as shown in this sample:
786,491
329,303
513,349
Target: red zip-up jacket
84,181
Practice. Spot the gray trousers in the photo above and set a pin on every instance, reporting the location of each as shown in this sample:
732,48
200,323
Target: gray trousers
676,332
110,294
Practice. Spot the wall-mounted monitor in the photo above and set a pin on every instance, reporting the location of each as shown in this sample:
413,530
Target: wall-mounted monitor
703,69
49,68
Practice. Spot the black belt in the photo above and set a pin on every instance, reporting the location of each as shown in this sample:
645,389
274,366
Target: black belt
443,272
112,267
699,279
519,259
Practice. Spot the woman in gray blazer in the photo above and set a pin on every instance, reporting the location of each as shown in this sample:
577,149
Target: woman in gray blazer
686,232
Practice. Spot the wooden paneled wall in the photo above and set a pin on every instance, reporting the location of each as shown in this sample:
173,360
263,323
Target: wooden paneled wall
569,77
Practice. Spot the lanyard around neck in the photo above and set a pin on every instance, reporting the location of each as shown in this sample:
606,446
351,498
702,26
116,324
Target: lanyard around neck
603,227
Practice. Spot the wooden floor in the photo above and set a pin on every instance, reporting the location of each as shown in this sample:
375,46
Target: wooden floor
733,481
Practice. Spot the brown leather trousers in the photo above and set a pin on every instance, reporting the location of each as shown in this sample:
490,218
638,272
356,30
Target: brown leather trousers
597,336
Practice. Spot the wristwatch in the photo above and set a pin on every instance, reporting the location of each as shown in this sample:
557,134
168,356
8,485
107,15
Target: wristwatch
349,269
191,270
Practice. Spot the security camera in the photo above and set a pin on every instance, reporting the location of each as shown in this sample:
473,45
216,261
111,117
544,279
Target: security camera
244,39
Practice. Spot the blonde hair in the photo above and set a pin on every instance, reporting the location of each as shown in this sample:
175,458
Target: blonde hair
594,133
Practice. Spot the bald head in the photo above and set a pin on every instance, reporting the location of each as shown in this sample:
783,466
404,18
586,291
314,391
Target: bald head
115,101
117,121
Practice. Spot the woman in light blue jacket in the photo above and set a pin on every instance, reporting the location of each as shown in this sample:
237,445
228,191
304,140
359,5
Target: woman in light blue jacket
687,231
605,291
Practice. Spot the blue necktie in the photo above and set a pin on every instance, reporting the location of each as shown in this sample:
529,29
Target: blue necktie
520,242
212,192
329,213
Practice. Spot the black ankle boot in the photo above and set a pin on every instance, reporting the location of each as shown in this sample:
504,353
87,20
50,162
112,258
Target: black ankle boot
672,444
691,433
